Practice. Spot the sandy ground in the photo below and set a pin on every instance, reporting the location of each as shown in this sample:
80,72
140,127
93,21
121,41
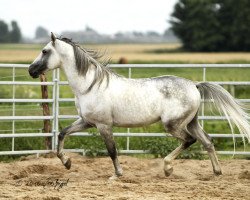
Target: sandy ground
45,178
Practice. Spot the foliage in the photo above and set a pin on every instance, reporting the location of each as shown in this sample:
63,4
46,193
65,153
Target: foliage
194,22
13,36
212,25
41,32
93,145
4,32
161,147
15,33
234,18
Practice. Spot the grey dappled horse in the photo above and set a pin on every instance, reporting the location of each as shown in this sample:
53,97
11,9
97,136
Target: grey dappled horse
104,99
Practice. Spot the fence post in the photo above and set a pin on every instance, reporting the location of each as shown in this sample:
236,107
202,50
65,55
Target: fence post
46,112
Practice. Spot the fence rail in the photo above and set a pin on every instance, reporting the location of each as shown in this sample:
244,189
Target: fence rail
55,100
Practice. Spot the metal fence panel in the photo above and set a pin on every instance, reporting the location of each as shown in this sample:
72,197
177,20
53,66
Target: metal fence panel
55,100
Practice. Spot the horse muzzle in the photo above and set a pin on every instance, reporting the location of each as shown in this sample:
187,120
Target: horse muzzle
33,74
36,69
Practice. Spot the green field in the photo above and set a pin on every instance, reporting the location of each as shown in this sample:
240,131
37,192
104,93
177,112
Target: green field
158,145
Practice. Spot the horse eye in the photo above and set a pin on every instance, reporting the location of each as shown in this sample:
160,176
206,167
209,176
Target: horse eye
44,51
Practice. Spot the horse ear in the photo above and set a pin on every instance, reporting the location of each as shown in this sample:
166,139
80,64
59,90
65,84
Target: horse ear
53,37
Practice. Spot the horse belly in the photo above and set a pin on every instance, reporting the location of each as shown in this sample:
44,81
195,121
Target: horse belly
134,122
138,114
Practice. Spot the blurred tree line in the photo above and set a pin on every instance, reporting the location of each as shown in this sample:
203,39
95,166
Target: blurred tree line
41,32
12,35
212,25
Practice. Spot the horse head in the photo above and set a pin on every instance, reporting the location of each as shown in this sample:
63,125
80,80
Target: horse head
48,59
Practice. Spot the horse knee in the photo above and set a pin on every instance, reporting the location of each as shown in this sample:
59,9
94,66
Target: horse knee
109,141
64,132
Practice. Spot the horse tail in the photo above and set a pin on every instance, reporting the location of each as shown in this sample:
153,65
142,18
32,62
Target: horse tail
225,103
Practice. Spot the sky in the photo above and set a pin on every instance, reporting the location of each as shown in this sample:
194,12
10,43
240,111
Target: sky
105,16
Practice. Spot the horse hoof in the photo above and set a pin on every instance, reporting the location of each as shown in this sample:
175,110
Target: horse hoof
113,178
169,171
68,164
119,173
217,173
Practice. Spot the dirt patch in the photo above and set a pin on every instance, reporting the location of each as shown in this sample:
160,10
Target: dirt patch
46,178
34,169
245,175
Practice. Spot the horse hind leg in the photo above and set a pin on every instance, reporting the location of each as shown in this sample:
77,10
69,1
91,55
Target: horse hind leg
197,132
186,141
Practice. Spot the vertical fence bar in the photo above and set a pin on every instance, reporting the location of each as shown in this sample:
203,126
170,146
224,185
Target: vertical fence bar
203,103
129,72
13,107
54,111
232,90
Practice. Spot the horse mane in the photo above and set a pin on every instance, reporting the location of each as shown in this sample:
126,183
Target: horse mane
85,58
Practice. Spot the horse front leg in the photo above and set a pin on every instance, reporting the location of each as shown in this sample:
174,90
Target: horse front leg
106,133
78,125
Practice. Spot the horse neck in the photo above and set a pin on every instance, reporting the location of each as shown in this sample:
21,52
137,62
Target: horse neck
78,83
